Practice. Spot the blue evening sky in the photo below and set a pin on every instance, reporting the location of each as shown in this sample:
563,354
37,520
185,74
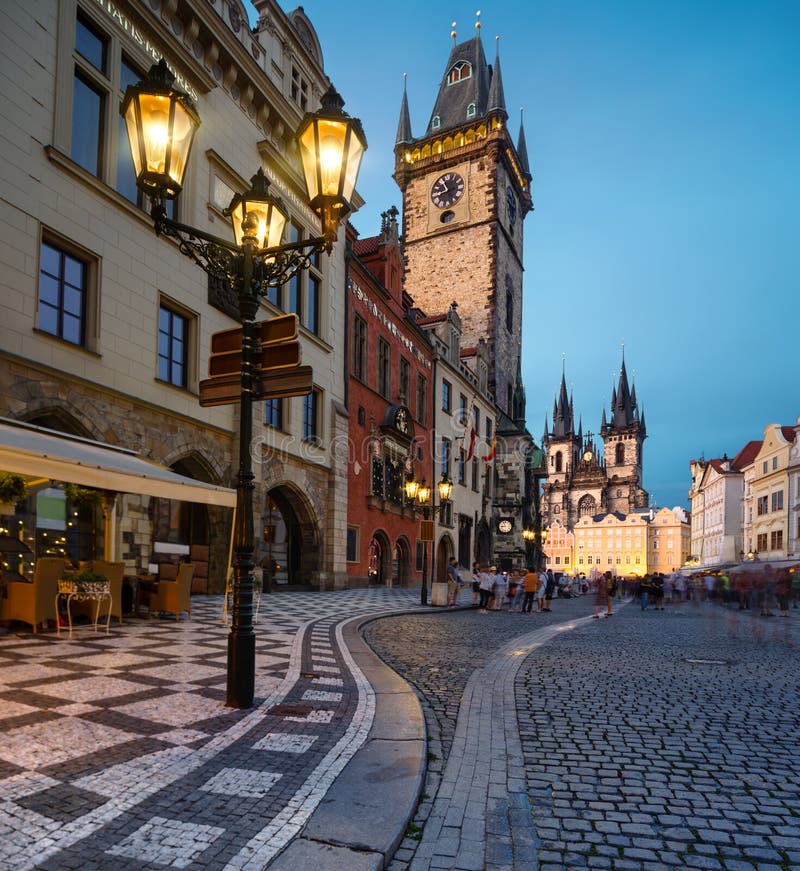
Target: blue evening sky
664,143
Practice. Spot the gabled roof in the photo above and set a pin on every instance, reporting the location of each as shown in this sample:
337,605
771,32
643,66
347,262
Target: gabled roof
746,455
428,320
788,432
368,245
453,99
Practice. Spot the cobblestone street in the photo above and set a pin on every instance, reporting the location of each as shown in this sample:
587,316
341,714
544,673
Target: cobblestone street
658,739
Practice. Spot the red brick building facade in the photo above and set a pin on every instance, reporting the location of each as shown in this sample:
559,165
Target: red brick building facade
389,400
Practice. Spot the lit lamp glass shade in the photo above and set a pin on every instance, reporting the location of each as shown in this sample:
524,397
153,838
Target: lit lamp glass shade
331,147
258,206
445,488
423,493
161,122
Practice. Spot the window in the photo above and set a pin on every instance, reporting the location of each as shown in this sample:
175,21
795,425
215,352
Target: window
509,311
311,421
436,122
589,560
352,544
761,505
471,110
273,413
774,462
294,286
96,72
446,457
761,541
777,500
384,375
488,430
446,400
475,474
422,399
462,409
312,303
63,293
173,343
776,539
765,467
559,461
299,89
462,467
360,348
619,454
458,72
405,380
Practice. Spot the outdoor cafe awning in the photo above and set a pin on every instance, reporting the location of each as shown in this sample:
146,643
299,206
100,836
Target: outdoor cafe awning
44,453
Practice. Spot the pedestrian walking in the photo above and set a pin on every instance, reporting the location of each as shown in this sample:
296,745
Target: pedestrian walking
530,585
657,587
549,589
602,597
519,593
540,593
476,584
486,584
454,582
500,590
644,591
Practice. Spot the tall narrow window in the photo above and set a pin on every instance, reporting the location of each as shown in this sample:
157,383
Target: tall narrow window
294,295
384,361
462,467
172,347
405,381
446,457
422,399
273,413
360,348
63,288
311,421
311,318
446,398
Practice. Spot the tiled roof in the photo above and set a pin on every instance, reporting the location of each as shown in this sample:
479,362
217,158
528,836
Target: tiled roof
366,246
746,455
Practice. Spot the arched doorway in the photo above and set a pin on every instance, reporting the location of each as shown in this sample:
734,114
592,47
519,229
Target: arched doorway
484,543
444,551
291,550
401,563
379,564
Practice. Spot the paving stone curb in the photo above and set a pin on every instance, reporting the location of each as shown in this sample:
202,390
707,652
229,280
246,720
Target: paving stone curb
360,823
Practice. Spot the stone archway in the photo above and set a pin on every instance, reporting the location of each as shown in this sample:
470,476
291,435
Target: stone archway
444,551
401,562
483,552
379,554
290,553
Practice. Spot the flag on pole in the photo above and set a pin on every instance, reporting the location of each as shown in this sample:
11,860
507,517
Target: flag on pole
469,427
490,456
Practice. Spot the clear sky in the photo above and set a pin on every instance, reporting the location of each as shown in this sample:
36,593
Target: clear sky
664,140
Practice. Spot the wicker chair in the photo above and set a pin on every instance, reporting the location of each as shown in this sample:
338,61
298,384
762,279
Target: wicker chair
34,603
173,597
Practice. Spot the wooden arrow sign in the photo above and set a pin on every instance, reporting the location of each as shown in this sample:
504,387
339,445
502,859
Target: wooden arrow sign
279,356
227,389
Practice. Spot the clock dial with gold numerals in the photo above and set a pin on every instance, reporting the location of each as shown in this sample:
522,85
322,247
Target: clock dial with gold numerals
447,190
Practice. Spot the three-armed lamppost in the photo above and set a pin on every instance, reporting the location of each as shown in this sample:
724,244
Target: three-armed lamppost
534,547
419,495
161,122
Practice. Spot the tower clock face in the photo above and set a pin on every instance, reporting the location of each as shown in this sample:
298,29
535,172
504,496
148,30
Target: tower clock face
447,190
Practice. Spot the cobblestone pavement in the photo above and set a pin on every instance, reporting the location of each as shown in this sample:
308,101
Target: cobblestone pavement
118,752
654,740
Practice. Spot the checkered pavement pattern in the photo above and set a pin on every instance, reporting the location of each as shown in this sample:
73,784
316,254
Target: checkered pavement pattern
118,751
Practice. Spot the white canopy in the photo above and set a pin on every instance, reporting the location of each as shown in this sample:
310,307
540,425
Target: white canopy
45,453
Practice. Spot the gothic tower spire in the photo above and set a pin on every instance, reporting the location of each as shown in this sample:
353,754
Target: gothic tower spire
404,124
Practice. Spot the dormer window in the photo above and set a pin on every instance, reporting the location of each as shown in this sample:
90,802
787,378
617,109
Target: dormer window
471,110
436,123
461,70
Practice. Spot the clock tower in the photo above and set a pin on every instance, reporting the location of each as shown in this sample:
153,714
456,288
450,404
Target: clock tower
466,191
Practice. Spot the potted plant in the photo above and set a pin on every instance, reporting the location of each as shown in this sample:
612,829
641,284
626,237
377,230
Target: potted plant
83,581
78,495
12,490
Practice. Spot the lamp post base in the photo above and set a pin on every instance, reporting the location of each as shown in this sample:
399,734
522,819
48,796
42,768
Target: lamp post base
241,670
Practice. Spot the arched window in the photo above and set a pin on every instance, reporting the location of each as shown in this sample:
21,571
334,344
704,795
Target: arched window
619,454
436,122
461,70
586,506
471,110
559,461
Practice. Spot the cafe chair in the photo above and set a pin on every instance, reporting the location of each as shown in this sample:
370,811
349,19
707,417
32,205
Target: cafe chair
114,572
34,603
174,597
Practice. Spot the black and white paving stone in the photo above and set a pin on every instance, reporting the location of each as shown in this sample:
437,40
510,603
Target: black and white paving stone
118,752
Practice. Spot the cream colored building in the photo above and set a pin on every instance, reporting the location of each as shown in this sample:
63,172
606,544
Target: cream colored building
560,548
770,495
105,328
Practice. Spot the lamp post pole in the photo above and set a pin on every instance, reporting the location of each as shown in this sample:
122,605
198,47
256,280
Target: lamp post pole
161,123
423,592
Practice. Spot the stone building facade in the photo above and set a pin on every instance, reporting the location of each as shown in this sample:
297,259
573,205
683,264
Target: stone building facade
105,328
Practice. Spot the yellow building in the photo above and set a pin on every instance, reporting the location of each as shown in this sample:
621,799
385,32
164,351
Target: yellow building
769,494
612,542
560,548
669,540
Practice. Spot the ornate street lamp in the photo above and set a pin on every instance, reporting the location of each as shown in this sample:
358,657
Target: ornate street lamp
419,494
161,122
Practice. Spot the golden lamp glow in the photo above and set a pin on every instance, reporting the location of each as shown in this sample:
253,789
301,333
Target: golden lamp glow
412,488
256,213
445,488
423,493
331,147
161,123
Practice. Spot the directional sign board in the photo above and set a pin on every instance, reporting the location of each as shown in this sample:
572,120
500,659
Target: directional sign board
277,356
226,389
279,329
